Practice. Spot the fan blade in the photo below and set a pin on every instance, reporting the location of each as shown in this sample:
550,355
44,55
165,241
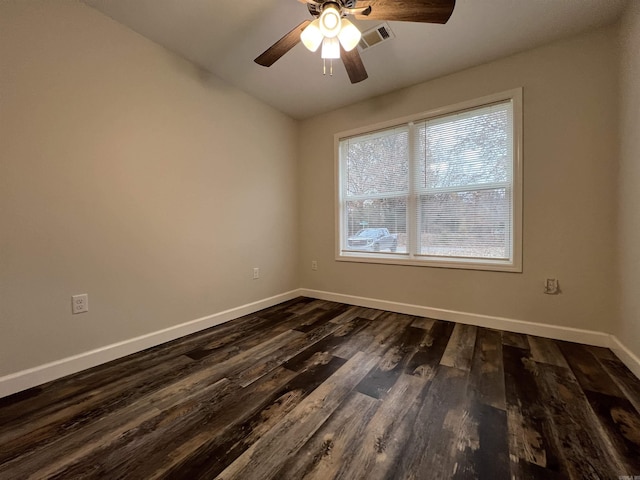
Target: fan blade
282,46
364,11
425,11
353,64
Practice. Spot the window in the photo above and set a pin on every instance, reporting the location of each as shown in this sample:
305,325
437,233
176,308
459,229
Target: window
439,189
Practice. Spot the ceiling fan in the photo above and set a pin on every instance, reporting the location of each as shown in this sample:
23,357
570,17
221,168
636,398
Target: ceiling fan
339,37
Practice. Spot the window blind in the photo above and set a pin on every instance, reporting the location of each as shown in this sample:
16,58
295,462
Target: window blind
376,185
464,174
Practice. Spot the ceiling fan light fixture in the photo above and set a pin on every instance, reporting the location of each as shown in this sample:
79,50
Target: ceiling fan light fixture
330,48
330,21
349,35
311,36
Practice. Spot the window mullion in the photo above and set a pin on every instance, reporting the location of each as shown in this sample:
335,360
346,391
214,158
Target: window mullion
466,188
344,148
376,196
412,201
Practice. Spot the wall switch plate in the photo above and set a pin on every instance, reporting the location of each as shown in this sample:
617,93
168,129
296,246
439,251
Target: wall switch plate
256,273
314,265
80,303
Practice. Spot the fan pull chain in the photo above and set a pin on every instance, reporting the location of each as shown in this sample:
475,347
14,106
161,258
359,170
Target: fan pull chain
324,67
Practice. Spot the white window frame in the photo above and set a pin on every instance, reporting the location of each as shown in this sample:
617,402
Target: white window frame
514,264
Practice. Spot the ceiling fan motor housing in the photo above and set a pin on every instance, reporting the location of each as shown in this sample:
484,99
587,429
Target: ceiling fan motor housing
316,7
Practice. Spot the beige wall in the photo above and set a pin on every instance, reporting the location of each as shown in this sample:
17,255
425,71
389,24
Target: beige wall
629,191
570,157
128,174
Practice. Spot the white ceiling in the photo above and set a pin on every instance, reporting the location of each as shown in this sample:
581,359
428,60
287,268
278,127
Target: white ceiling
225,37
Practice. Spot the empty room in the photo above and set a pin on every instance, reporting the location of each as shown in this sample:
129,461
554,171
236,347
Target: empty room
320,239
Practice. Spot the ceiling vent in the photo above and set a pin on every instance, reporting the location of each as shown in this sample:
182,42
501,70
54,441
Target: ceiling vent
376,36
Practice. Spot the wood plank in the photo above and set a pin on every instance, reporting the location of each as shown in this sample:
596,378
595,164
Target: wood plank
459,351
429,355
318,316
120,455
176,438
327,347
384,439
423,322
517,340
232,365
531,471
267,455
588,370
544,350
370,313
379,335
533,445
621,422
487,373
288,305
480,429
584,446
240,424
394,361
482,442
323,456
441,423
261,366
71,448
27,433
330,304
226,346
257,329
628,383
355,312
304,305
601,353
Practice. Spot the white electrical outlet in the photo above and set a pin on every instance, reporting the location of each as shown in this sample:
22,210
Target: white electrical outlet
314,265
80,303
551,286
256,273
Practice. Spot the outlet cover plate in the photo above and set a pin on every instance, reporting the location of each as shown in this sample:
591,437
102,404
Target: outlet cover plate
80,303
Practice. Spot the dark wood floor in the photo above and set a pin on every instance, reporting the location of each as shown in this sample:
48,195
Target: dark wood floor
319,390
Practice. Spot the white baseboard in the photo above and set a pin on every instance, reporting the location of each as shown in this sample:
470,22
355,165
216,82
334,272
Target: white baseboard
32,377
627,356
587,337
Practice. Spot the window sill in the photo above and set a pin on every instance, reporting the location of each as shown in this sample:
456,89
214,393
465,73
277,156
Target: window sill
404,259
